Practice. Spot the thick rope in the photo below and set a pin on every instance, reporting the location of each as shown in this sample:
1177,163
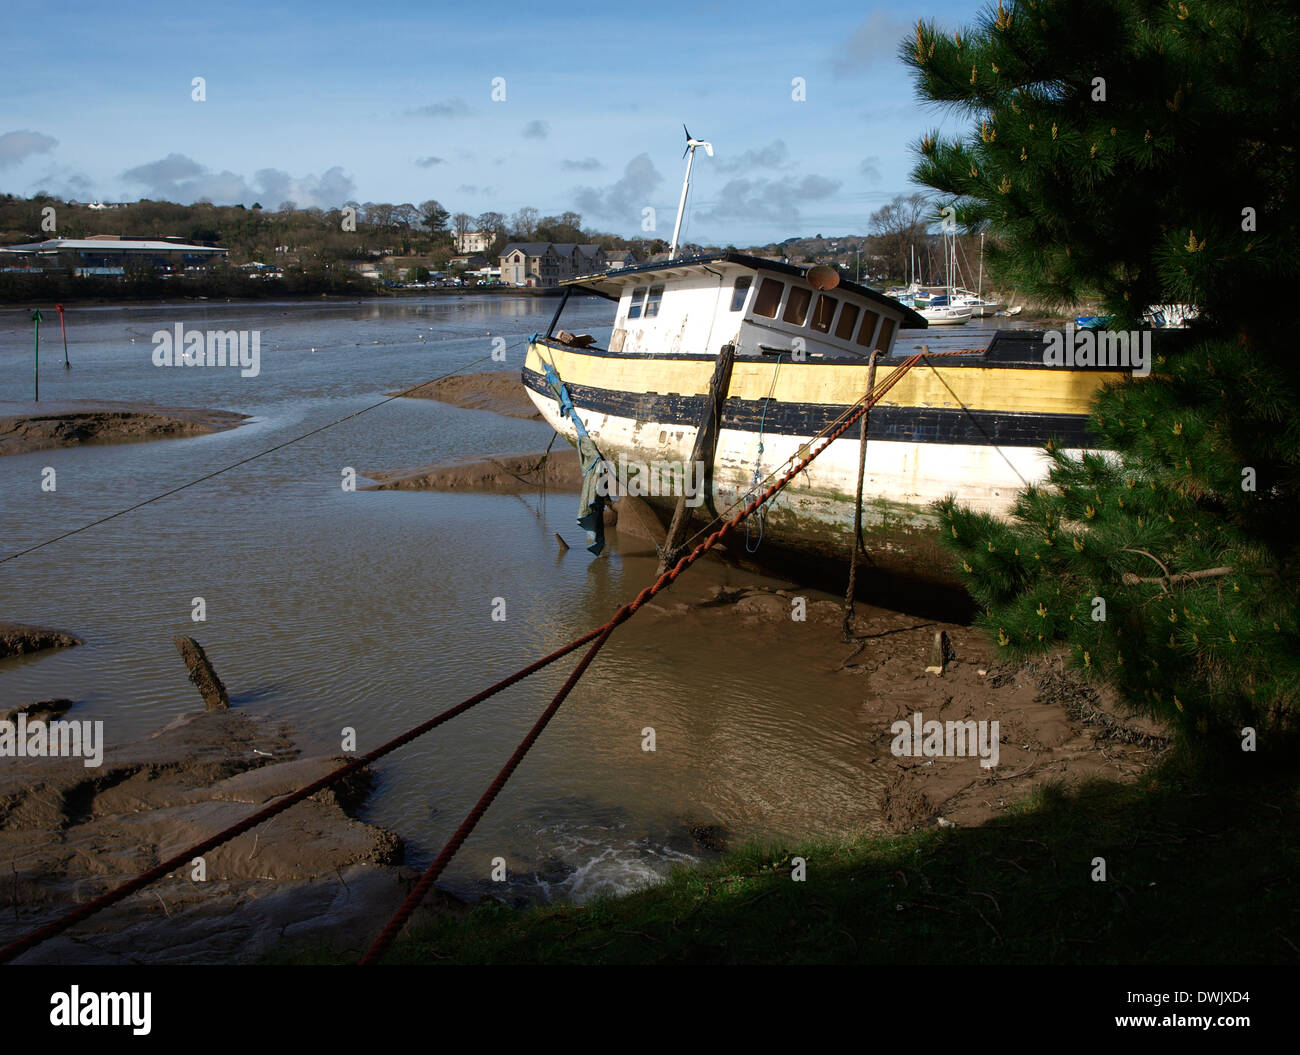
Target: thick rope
413,900
599,635
160,871
720,517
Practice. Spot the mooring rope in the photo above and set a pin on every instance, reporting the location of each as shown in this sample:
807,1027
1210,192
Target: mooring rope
737,503
599,636
758,464
242,461
389,934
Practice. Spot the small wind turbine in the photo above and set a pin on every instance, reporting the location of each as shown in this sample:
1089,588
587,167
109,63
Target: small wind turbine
691,144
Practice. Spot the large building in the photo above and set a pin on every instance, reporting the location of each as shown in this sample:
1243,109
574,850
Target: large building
475,241
108,255
550,263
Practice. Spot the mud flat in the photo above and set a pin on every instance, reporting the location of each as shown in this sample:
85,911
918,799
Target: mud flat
28,427
500,474
18,639
500,392
69,832
1052,726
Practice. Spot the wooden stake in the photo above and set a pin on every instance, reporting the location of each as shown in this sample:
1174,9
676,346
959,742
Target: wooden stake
706,445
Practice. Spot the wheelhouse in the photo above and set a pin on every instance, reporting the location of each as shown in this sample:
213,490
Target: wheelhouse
693,305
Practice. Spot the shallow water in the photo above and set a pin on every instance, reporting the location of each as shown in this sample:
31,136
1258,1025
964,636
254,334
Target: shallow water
373,609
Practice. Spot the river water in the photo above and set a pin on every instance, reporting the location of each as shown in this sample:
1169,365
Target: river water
372,610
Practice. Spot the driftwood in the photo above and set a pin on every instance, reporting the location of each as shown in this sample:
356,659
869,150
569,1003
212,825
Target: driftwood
201,673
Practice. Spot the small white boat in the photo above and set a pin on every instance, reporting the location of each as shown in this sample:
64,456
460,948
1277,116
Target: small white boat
946,315
979,307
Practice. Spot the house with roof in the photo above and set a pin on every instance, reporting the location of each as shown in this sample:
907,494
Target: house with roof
546,264
475,241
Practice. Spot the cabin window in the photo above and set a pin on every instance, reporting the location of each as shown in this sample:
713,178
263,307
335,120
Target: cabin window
638,298
824,313
652,302
868,329
848,319
769,298
740,292
796,308
886,334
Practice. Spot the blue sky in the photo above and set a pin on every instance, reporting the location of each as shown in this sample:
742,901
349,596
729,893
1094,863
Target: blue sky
327,102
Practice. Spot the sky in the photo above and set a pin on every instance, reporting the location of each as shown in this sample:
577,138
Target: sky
481,106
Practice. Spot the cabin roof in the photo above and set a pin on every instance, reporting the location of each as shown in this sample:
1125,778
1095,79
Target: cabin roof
610,284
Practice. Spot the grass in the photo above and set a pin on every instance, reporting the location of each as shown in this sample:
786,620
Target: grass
1201,867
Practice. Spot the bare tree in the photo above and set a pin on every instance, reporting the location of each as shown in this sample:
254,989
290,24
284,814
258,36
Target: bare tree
523,224
461,226
898,226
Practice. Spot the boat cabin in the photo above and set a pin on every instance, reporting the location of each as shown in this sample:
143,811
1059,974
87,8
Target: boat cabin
694,305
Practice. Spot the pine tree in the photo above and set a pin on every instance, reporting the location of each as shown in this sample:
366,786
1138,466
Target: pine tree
1145,153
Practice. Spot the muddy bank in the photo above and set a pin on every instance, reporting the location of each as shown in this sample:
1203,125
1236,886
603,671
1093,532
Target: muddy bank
17,639
521,474
69,833
28,427
501,393
1052,726
500,474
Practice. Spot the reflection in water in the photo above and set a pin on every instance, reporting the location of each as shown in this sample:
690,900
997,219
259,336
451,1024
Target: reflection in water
372,609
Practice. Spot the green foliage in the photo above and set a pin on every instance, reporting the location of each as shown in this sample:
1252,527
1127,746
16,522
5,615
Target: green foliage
1016,889
1138,194
1185,527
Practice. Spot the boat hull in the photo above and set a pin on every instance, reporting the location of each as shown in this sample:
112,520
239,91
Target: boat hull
974,431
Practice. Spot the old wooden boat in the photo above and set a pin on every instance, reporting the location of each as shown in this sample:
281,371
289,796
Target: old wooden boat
973,426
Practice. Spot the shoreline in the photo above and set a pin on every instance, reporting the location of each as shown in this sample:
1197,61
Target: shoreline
29,426
70,833
317,875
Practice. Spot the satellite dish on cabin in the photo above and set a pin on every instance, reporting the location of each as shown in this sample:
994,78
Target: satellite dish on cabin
822,277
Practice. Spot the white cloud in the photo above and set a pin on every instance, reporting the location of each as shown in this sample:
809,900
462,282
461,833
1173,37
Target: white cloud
456,107
183,180
16,147
776,155
773,200
624,198
874,42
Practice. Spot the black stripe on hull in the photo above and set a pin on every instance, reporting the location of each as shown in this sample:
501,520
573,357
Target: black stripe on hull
900,424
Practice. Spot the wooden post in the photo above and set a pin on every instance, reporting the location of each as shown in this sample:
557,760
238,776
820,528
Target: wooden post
855,543
202,673
706,445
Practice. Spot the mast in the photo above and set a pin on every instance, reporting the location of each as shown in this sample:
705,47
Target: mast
689,154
